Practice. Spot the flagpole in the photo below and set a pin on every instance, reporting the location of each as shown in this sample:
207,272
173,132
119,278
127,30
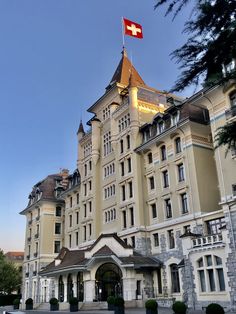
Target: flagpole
123,35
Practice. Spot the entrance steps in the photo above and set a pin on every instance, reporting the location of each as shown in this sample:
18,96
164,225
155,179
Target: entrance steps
94,306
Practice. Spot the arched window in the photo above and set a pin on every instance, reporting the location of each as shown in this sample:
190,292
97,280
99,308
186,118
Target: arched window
60,289
69,287
80,287
175,286
210,273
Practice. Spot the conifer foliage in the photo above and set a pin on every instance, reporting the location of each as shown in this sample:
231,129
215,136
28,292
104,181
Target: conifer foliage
211,43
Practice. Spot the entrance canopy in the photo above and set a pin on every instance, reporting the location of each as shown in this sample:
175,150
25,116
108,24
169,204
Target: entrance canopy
108,248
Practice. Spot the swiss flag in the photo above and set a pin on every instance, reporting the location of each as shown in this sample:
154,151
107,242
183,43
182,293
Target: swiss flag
133,29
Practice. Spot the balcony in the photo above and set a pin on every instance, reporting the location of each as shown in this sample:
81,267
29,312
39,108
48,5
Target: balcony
35,254
27,274
36,235
230,113
29,239
28,256
207,240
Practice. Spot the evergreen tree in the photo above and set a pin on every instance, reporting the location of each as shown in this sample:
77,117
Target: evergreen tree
226,136
212,41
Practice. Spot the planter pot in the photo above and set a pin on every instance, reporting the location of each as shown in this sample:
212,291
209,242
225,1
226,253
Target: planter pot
54,307
74,307
16,307
119,310
29,307
149,311
111,307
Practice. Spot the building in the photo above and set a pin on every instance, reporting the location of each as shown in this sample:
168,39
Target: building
150,209
44,234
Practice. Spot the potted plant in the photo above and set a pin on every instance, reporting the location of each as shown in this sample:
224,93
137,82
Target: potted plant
29,304
179,307
16,304
54,304
74,304
214,308
151,306
119,305
110,302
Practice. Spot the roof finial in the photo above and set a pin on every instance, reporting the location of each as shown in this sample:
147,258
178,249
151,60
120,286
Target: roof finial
124,52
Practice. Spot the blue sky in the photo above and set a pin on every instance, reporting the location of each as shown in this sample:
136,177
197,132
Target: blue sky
56,58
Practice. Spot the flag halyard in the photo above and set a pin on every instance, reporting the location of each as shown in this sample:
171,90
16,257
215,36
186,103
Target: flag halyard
132,29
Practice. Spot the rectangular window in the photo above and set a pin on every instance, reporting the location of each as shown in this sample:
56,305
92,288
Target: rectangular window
151,183
121,146
57,228
70,221
90,229
202,280
168,208
159,281
77,218
130,189
129,165
57,245
181,172
90,185
85,210
70,240
128,141
107,149
123,192
213,226
156,239
163,153
133,241
165,179
58,211
85,189
77,238
211,279
77,198
131,211
184,203
154,210
124,219
84,233
71,201
221,279
90,206
122,168
171,238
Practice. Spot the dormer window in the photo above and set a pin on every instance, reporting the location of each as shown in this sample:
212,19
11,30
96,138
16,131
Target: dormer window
175,118
161,127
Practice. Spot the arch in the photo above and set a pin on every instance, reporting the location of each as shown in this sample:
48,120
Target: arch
70,292
60,289
108,281
80,286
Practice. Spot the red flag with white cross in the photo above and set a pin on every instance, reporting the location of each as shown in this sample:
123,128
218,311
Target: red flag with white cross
133,29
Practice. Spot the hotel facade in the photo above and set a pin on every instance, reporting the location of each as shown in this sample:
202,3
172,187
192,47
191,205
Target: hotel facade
149,212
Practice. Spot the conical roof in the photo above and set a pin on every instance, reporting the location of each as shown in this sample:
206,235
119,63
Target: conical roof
81,127
123,72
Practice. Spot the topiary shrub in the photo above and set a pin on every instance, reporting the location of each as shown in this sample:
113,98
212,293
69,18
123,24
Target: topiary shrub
179,307
29,304
119,305
151,306
111,302
214,308
74,304
54,304
16,304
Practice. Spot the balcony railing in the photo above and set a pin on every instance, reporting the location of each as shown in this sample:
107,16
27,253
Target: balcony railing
207,240
35,254
230,113
36,236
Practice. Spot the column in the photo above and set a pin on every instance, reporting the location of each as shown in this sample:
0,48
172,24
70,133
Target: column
89,290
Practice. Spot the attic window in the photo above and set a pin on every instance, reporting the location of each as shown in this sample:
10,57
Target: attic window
106,113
